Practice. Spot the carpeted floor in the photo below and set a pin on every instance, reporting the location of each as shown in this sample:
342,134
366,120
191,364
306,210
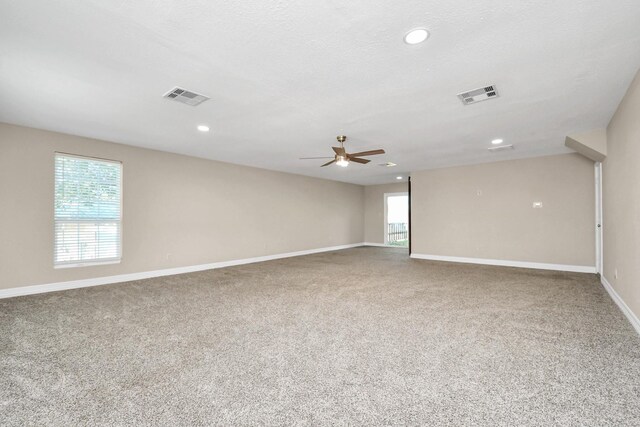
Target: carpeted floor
363,336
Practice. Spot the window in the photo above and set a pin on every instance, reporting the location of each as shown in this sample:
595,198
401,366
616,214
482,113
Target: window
88,211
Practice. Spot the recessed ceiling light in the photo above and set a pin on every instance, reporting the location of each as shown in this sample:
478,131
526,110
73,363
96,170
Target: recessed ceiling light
203,128
398,177
497,141
415,36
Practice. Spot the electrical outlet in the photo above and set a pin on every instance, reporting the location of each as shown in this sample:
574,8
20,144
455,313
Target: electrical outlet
479,192
615,273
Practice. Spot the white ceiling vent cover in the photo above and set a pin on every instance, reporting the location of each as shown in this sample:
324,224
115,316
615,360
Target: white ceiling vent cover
501,148
185,96
478,95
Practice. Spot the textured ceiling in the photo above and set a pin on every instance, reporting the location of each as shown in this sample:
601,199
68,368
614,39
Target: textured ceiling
285,77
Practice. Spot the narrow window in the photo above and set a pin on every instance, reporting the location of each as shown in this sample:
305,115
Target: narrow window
88,211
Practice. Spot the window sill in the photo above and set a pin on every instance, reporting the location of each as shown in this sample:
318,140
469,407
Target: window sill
86,264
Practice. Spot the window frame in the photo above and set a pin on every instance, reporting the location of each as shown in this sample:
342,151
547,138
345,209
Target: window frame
91,262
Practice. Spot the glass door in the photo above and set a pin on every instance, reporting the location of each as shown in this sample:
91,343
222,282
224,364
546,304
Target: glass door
396,219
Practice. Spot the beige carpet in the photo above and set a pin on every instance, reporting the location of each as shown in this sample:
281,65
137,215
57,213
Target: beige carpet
364,336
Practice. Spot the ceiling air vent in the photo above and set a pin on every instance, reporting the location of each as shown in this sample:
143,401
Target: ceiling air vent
501,148
185,96
477,95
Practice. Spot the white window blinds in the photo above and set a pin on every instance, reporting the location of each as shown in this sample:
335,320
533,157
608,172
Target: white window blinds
88,210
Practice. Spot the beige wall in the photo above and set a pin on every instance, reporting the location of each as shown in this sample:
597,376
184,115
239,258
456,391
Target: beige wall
449,218
374,209
182,211
621,199
177,210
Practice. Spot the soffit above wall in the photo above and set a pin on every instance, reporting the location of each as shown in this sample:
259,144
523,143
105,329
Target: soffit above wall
591,144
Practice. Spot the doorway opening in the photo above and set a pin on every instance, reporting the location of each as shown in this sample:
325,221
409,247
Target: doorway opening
396,219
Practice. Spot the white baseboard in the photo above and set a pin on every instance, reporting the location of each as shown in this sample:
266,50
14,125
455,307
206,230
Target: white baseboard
382,245
507,263
97,281
630,315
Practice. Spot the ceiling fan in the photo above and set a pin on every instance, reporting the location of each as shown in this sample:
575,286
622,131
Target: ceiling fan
342,158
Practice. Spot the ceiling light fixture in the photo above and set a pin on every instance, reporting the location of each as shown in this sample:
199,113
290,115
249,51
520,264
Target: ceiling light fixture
497,141
398,177
416,36
342,161
203,128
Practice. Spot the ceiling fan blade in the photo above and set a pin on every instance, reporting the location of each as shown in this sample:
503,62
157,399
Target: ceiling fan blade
315,158
339,151
368,153
328,163
357,160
